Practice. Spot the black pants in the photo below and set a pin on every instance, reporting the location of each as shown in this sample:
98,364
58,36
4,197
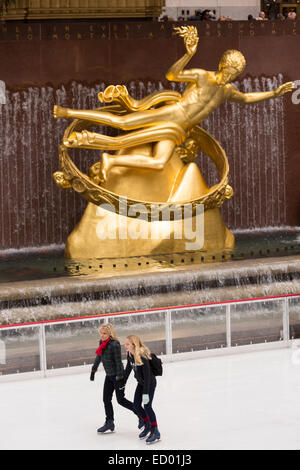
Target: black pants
147,410
110,385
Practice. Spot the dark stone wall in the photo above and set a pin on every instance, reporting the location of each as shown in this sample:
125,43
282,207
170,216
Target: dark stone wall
43,63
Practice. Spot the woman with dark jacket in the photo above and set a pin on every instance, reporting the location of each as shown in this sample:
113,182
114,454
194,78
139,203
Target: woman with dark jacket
138,357
109,353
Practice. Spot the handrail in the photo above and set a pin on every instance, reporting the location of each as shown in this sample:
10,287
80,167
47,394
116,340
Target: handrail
282,340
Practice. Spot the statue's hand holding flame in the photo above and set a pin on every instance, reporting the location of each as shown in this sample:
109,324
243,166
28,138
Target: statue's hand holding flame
190,36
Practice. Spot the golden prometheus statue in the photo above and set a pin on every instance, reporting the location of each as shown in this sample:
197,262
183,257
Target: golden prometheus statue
152,161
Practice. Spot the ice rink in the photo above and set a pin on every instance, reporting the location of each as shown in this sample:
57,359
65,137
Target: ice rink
239,401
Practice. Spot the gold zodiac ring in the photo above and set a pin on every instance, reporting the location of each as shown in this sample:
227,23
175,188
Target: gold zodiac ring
197,139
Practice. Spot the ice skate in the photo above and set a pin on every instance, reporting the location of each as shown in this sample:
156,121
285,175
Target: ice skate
145,431
154,435
141,423
108,426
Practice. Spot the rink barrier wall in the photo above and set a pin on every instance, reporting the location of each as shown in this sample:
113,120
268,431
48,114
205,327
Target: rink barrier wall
169,354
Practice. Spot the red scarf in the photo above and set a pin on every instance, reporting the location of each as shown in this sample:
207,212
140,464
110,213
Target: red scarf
102,347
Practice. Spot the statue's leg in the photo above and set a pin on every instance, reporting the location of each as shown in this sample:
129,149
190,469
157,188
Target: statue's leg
162,152
166,136
128,122
94,140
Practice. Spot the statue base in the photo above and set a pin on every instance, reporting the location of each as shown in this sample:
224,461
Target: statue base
96,236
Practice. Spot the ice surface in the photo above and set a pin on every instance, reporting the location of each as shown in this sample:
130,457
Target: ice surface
242,401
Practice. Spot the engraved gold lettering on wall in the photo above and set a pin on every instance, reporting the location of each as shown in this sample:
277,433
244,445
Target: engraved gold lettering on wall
92,31
29,33
54,33
115,31
251,29
127,29
67,33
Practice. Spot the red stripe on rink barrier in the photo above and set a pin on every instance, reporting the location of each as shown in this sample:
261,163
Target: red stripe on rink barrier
103,315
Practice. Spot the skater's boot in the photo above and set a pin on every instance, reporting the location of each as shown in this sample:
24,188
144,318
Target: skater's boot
108,426
146,430
141,423
154,435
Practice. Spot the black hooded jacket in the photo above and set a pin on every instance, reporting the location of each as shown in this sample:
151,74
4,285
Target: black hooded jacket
142,373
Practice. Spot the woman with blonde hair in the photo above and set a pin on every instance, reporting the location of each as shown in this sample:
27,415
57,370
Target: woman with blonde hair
109,353
138,357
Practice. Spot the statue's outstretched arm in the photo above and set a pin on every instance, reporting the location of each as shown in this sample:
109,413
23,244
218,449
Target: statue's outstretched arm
247,98
176,72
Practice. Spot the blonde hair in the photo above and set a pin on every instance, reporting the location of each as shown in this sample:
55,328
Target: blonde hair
140,350
110,329
233,58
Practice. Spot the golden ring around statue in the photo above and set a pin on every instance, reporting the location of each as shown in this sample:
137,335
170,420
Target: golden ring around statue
196,139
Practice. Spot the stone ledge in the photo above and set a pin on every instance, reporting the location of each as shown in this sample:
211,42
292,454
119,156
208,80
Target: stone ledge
68,297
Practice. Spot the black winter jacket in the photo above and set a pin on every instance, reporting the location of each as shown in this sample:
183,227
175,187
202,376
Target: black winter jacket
143,373
111,359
